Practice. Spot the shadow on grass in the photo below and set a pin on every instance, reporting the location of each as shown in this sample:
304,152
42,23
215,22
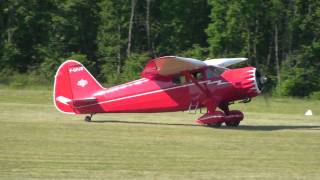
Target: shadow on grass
241,127
147,123
271,127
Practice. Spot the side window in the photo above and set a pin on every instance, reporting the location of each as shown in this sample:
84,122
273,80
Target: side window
214,72
179,79
176,80
198,75
210,73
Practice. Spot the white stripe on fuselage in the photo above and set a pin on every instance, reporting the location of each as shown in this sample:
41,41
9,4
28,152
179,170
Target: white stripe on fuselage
218,82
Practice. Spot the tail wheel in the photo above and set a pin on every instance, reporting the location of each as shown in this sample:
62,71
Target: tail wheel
88,118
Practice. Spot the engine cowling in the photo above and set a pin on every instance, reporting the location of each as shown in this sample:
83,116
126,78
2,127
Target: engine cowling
247,82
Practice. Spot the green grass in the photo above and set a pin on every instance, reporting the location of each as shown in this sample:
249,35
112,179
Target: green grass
275,141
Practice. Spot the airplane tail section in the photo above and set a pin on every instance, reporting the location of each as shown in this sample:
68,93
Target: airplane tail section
73,82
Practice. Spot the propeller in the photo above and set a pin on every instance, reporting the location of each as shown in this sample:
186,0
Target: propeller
262,81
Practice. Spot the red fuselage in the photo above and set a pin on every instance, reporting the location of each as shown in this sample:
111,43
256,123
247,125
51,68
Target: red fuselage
173,93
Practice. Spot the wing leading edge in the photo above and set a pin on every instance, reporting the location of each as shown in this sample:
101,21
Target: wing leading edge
224,62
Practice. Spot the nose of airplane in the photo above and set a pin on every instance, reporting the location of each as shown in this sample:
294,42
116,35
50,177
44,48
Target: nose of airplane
253,81
247,81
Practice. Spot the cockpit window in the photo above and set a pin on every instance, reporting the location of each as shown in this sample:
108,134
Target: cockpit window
214,72
198,75
179,79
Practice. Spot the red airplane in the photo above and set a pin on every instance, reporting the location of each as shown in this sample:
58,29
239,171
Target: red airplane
167,84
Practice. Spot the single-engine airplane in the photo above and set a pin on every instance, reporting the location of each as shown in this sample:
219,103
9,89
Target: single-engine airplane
167,84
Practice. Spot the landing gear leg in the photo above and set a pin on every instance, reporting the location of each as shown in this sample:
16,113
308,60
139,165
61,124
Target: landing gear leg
225,108
88,118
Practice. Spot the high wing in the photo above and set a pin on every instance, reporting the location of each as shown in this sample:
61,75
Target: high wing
224,62
170,65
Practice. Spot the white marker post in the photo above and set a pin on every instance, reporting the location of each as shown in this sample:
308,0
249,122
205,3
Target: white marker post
308,113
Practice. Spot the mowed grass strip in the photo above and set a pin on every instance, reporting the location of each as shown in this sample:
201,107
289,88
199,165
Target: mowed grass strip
36,141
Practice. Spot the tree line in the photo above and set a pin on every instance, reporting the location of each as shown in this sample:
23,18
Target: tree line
114,38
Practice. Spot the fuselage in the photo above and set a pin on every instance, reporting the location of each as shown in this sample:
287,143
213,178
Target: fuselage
173,93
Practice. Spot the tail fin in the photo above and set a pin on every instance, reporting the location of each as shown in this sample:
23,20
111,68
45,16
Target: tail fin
73,81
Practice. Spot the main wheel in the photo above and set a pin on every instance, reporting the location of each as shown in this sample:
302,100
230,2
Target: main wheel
229,123
87,119
234,123
233,118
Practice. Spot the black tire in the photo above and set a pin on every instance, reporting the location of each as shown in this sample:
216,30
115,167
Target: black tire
236,123
229,123
87,119
233,123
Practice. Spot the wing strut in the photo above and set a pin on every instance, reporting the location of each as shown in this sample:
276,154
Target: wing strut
209,99
195,81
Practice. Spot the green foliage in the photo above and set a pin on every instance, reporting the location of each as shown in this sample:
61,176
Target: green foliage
110,75
133,67
179,25
301,72
8,56
196,52
36,36
296,84
19,80
51,62
112,39
301,83
315,95
267,32
82,58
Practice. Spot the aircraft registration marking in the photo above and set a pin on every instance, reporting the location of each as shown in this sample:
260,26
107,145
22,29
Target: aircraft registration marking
76,69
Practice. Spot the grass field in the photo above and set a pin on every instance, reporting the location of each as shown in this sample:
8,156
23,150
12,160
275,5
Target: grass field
275,141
